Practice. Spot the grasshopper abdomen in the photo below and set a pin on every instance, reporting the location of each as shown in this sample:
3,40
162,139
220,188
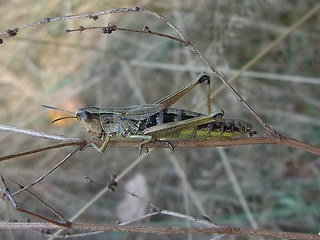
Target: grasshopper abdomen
217,128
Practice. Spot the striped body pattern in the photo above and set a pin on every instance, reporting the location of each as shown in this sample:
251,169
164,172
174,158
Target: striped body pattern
217,128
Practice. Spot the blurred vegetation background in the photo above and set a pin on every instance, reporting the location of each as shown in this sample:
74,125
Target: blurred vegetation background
265,186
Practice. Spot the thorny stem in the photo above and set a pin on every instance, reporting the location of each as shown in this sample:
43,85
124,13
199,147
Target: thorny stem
110,29
48,20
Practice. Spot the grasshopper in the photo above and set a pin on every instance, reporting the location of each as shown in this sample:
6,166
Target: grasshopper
157,121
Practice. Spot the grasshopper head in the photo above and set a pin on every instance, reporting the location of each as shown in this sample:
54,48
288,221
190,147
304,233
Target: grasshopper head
89,120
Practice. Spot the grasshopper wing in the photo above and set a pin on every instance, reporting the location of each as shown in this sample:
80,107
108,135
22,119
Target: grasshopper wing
138,112
141,112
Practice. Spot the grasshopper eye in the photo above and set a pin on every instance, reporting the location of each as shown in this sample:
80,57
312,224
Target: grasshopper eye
86,116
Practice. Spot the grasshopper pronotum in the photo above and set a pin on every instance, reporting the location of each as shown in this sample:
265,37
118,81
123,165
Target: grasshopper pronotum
157,121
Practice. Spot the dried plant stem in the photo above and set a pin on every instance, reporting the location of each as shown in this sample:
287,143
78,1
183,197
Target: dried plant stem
197,143
7,195
39,134
48,20
163,230
59,145
113,28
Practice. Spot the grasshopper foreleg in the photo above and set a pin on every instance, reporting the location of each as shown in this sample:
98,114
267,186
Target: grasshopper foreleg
102,148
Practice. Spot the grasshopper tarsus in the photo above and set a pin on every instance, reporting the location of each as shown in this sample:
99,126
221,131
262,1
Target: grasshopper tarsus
252,133
219,115
169,144
203,77
112,183
140,149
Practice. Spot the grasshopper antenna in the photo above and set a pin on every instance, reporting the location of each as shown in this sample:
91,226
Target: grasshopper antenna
62,110
58,119
59,109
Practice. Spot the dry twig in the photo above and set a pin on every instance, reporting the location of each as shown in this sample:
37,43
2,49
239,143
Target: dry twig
197,143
